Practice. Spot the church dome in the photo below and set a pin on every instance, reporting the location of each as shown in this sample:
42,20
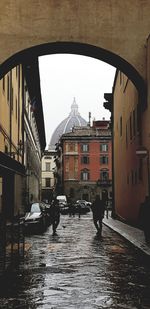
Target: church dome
74,119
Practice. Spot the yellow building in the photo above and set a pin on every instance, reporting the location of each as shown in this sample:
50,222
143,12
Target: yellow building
22,142
12,170
22,139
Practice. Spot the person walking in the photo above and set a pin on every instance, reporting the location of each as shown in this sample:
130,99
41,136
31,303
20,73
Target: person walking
55,215
105,201
144,218
98,214
79,210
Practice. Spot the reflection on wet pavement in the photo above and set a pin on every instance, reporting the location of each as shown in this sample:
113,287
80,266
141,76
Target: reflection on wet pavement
77,270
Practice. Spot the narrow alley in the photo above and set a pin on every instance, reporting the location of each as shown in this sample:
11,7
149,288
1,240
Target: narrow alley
75,269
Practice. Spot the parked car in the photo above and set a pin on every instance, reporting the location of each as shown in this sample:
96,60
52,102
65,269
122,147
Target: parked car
83,206
36,218
87,203
62,200
64,209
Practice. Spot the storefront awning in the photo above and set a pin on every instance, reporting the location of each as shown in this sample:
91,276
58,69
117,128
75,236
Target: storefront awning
8,164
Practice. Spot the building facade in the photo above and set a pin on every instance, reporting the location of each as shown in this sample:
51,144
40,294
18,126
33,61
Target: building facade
84,162
22,142
22,138
12,170
48,170
34,132
73,119
130,175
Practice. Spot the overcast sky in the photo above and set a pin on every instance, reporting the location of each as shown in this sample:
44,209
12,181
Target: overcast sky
65,76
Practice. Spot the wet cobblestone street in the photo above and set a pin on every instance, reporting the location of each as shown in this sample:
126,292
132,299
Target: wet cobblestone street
75,269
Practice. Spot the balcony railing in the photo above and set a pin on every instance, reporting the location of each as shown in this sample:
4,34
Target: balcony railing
104,182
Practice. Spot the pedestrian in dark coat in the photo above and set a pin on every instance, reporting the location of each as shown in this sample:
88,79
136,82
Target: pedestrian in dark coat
55,215
98,209
144,218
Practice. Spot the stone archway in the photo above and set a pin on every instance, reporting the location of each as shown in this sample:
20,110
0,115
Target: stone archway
80,49
121,27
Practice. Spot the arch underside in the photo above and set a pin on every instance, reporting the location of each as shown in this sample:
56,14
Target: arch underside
26,56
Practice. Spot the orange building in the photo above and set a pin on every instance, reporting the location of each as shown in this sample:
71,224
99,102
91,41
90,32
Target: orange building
86,161
130,176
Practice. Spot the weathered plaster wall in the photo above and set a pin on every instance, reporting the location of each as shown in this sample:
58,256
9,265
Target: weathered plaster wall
115,25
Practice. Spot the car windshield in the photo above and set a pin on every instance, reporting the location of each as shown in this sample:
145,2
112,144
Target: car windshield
35,208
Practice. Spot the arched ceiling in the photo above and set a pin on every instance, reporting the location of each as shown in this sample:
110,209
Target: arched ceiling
121,27
113,31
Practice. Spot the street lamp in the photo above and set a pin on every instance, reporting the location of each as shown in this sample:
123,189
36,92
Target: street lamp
142,152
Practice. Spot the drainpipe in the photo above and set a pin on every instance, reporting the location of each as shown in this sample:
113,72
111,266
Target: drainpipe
23,109
10,112
113,170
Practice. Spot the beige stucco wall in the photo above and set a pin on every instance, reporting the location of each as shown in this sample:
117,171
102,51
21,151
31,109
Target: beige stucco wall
4,121
48,158
118,26
15,97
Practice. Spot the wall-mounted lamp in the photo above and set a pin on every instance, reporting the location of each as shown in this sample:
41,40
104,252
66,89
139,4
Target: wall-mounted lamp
20,147
142,152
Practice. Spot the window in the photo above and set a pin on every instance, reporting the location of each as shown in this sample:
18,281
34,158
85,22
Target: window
84,147
104,175
67,164
8,88
6,149
132,177
16,108
130,122
140,172
71,147
67,147
76,167
103,147
16,71
104,159
19,76
85,175
134,123
121,126
47,182
12,98
126,134
4,83
47,166
135,175
128,179
85,160
120,77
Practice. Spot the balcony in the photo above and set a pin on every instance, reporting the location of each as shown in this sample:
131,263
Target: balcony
104,182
